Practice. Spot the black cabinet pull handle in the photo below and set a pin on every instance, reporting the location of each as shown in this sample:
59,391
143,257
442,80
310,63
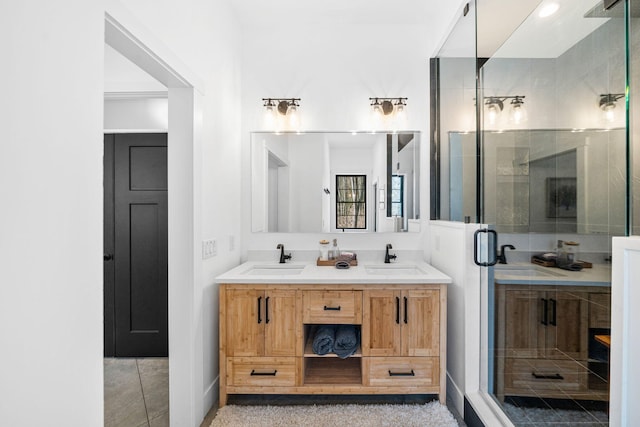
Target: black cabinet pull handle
553,312
266,310
545,311
406,319
402,374
547,377
107,257
259,309
263,374
332,308
398,310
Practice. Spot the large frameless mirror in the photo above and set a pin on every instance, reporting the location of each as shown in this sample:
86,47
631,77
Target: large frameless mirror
320,182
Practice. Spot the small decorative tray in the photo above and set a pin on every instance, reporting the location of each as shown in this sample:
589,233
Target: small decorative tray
584,264
544,263
332,262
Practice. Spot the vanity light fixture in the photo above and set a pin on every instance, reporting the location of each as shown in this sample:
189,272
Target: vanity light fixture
607,104
386,110
495,105
277,109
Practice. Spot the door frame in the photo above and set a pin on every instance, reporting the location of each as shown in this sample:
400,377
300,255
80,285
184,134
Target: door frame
128,36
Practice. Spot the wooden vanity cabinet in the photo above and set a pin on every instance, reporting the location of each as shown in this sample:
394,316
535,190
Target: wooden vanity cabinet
260,322
266,339
401,323
545,323
542,339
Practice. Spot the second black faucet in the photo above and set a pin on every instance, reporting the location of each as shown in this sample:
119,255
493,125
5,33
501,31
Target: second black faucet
502,256
283,257
387,257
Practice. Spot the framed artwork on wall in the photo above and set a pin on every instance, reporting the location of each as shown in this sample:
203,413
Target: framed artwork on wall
561,198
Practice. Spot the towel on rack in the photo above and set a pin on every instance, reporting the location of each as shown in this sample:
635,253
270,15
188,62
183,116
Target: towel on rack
346,340
323,339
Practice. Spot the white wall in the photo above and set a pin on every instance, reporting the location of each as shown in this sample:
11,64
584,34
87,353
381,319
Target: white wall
51,170
51,216
452,253
335,68
206,37
136,114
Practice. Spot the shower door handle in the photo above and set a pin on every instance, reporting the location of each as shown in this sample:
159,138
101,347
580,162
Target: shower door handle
492,237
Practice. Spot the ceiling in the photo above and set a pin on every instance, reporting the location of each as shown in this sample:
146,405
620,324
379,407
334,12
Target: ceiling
549,37
525,33
305,12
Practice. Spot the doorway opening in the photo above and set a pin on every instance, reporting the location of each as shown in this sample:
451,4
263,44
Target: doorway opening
133,40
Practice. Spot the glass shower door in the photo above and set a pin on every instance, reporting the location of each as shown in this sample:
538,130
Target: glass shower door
553,179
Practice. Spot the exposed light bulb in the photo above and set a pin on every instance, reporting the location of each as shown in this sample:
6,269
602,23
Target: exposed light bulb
294,117
518,114
492,114
376,115
401,115
377,111
269,117
609,112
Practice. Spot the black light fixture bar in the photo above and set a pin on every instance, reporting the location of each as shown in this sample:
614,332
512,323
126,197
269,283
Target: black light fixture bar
282,104
610,98
387,104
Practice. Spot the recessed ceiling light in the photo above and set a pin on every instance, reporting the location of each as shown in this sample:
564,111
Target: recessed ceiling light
548,10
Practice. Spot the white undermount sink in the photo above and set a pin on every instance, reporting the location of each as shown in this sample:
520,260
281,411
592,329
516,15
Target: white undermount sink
526,271
274,269
394,269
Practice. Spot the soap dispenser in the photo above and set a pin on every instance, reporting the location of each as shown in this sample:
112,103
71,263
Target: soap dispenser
334,252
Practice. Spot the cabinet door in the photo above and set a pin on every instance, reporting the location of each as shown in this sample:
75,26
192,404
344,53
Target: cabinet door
420,322
280,322
245,322
567,333
524,323
599,310
381,323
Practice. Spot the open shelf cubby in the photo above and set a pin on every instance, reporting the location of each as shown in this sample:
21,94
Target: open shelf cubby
308,343
329,369
334,371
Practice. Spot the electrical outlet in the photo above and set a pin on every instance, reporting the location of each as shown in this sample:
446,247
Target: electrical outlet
232,243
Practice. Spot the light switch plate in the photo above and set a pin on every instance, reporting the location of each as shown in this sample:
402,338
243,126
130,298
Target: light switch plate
209,248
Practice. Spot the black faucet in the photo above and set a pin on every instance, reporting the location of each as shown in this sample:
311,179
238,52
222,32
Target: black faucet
283,257
502,256
387,257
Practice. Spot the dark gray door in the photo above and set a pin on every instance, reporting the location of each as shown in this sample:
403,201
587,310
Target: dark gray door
136,293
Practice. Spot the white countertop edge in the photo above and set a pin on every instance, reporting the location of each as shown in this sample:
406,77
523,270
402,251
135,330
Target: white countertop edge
598,275
313,274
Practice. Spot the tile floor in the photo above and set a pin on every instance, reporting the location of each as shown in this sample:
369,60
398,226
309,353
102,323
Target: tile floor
538,412
137,395
136,392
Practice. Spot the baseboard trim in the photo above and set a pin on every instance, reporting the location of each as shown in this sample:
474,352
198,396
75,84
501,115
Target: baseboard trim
211,396
455,395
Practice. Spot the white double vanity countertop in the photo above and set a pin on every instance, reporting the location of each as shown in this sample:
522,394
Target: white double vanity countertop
309,273
530,274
